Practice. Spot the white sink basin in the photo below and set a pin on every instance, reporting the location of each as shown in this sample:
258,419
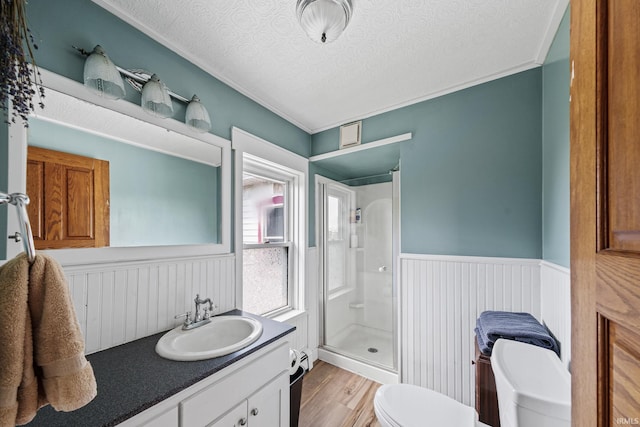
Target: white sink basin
224,335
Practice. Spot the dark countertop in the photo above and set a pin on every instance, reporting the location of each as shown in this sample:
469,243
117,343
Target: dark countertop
132,377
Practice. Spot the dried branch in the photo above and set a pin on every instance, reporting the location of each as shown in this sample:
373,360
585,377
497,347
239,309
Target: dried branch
18,70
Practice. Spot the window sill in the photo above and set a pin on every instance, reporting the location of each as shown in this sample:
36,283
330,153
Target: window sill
288,315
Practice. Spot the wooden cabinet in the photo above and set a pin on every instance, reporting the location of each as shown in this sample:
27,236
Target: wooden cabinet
69,195
486,394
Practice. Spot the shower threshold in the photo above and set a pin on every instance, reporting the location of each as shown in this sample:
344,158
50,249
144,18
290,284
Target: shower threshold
357,365
362,349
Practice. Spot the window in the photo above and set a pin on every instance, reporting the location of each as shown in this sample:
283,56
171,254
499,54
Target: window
271,236
265,256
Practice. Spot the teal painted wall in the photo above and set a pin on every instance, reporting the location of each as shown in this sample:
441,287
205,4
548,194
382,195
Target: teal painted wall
471,175
57,25
155,199
555,149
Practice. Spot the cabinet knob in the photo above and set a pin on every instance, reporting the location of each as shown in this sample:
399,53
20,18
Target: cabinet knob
243,421
254,411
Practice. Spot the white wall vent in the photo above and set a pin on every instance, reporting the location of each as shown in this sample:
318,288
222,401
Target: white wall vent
350,134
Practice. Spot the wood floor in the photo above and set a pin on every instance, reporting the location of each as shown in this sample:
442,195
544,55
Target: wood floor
333,397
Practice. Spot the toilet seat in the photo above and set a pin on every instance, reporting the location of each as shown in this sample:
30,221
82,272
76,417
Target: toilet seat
406,405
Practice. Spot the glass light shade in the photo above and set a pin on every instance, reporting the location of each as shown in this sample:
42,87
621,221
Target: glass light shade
156,99
102,76
324,20
197,116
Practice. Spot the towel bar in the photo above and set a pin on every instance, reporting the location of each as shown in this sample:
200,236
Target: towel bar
20,201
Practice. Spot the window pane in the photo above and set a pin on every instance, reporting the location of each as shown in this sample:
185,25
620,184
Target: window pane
263,209
264,279
275,224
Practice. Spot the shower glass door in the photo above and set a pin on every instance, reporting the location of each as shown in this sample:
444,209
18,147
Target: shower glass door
356,227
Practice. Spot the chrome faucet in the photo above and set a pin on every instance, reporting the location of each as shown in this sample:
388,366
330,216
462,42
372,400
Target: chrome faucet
200,318
207,311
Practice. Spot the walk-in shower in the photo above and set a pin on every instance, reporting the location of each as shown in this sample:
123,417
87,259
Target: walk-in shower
357,232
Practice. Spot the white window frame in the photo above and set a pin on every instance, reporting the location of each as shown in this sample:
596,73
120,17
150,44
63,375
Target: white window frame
271,161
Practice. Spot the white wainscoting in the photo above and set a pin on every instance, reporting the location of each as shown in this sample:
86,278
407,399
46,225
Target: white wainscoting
555,290
121,302
441,297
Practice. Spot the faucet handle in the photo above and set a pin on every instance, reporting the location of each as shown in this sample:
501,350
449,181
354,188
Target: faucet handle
187,316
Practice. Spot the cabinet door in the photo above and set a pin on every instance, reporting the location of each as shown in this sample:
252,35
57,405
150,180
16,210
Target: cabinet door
269,406
237,417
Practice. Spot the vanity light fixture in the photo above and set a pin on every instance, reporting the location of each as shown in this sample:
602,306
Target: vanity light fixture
156,99
324,20
102,76
196,116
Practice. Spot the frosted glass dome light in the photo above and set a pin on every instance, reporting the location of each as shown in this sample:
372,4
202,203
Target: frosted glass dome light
197,116
324,20
156,99
102,76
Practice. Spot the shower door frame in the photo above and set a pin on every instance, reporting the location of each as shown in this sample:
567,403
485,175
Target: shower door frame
321,213
320,186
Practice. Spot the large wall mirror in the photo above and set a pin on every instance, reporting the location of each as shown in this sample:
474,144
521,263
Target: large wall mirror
167,187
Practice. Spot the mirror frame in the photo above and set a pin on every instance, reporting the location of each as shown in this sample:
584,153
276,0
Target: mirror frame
17,160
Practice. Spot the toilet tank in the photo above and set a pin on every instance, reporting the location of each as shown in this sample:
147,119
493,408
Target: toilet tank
533,386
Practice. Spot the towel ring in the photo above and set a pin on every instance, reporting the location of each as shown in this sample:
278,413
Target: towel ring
20,201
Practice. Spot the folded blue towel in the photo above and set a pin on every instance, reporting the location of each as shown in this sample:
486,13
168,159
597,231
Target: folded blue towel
522,327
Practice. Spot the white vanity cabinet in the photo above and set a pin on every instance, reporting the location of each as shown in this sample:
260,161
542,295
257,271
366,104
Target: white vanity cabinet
252,392
264,408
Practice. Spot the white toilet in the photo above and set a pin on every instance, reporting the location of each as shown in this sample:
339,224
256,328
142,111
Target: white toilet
534,390
406,405
534,387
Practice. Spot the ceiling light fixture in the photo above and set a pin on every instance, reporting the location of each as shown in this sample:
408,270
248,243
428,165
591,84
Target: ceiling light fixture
324,20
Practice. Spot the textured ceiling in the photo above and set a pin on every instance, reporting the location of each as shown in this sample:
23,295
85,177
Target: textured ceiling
393,53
